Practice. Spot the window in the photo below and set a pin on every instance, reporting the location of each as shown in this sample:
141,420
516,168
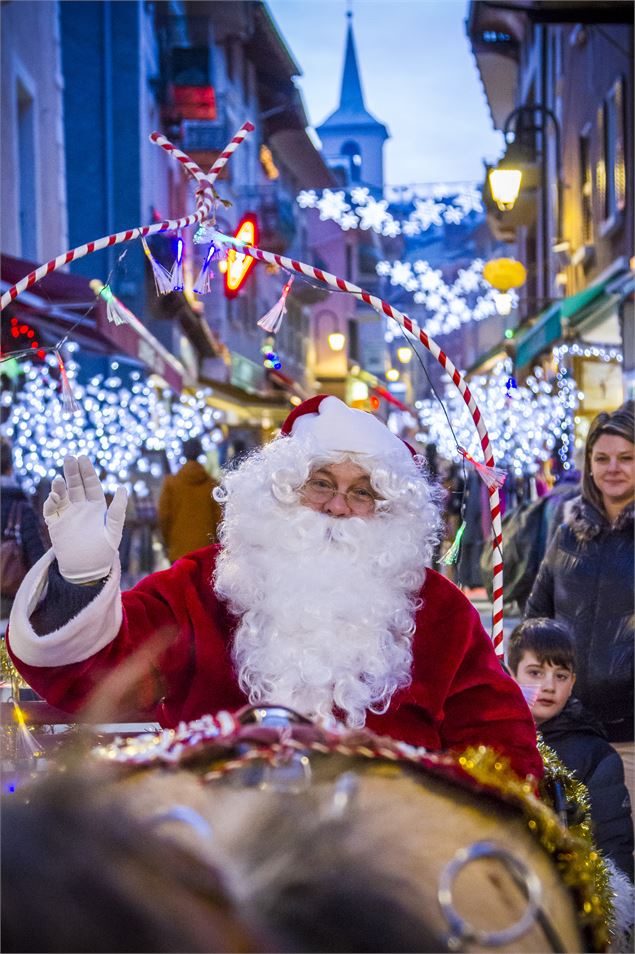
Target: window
28,186
246,78
615,123
350,274
353,152
611,171
230,57
353,339
586,191
600,169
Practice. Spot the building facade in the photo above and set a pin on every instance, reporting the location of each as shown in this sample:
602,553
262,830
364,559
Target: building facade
558,79
34,224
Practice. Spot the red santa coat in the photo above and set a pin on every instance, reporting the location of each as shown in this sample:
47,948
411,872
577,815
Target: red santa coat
459,694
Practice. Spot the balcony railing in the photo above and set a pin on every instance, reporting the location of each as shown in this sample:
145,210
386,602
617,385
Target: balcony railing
203,135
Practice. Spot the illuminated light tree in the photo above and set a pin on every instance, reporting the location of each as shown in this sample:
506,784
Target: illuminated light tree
116,426
527,424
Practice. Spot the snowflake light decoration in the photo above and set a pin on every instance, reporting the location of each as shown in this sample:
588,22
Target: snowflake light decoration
434,205
468,298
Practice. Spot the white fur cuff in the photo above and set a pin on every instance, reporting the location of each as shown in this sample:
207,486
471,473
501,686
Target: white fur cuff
84,635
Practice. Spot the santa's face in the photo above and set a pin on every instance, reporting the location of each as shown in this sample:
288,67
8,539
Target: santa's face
340,490
326,605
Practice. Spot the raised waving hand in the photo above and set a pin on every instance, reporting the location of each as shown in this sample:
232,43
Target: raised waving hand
84,533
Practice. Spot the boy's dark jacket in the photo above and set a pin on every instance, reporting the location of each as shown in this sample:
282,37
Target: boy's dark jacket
580,742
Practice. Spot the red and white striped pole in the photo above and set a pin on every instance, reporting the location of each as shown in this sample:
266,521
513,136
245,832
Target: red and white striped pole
205,200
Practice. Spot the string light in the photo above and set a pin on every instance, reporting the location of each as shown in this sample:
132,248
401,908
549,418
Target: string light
588,351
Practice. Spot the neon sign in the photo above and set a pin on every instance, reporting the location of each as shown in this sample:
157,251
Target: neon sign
238,265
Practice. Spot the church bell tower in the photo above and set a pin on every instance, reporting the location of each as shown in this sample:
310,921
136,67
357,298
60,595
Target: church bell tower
352,139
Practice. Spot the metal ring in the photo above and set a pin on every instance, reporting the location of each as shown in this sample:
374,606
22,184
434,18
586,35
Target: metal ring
269,715
524,876
345,792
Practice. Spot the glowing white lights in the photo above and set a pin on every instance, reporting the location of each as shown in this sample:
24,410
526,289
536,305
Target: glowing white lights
115,426
524,428
360,210
468,298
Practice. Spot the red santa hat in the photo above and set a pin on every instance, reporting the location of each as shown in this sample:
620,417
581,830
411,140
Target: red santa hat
336,428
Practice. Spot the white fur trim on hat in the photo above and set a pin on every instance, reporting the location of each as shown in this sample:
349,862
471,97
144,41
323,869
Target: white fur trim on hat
337,428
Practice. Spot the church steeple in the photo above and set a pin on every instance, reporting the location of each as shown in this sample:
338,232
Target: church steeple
352,138
351,96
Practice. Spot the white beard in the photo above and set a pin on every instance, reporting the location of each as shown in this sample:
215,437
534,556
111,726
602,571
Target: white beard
327,605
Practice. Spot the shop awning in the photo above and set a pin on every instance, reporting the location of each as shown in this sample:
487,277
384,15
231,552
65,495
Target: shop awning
294,388
577,313
385,394
545,331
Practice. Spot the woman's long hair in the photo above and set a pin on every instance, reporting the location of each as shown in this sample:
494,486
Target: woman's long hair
620,422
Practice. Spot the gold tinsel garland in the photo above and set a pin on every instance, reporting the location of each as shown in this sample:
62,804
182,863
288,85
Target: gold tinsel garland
8,673
17,742
580,865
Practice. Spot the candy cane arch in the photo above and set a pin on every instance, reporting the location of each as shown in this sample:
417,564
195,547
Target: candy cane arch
205,199
412,328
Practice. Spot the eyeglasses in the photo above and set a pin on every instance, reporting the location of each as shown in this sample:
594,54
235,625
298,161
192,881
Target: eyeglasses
359,499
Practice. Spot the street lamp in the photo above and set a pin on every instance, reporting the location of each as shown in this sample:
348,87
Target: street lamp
336,341
506,179
504,185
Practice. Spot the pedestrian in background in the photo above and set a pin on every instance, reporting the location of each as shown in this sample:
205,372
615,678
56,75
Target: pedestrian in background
469,567
586,579
188,514
20,524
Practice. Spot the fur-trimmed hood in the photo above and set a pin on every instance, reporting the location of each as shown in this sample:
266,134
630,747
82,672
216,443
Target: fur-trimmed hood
587,522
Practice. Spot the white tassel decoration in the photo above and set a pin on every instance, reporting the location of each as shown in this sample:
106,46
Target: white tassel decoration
69,403
273,319
491,476
29,745
162,277
176,276
116,311
203,284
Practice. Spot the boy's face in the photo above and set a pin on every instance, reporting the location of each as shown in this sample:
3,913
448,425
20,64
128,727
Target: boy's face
553,685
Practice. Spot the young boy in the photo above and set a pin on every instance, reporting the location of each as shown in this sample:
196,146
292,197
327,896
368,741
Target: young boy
541,658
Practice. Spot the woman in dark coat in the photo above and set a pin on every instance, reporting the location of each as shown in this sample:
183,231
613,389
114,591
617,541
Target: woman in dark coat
586,579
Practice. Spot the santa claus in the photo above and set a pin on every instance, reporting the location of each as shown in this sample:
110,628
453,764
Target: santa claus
319,598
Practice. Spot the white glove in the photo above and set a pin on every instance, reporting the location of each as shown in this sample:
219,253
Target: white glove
84,543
